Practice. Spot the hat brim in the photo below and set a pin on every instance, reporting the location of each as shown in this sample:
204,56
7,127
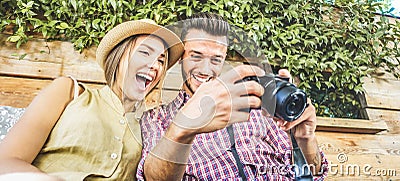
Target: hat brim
139,27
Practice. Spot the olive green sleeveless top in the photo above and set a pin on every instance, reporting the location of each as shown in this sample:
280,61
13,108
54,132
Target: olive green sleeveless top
93,140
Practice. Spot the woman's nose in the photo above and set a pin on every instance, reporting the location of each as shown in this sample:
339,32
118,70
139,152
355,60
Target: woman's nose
157,63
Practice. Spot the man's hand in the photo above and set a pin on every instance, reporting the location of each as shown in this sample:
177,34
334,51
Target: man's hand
220,102
305,125
304,131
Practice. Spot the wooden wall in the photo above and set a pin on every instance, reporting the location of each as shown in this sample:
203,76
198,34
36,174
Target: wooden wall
371,143
381,100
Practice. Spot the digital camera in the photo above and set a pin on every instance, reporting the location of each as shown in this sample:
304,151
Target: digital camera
281,98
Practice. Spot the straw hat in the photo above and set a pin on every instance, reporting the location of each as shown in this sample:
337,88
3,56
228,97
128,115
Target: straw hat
138,27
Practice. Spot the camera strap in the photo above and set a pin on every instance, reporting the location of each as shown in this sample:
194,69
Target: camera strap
301,168
234,152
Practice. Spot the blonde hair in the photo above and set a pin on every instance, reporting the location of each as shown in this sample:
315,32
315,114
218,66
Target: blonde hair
111,66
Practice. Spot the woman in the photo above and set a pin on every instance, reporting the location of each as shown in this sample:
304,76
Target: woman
75,133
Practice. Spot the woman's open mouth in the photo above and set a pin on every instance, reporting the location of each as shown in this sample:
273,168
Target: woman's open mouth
144,79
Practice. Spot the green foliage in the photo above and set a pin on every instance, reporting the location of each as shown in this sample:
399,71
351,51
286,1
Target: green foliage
328,46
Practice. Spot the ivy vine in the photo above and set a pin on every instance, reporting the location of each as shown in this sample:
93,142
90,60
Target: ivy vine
329,45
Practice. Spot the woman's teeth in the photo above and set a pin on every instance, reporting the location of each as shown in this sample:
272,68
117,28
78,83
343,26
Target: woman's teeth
146,78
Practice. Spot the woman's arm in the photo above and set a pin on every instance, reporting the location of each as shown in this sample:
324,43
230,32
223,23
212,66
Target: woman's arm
24,141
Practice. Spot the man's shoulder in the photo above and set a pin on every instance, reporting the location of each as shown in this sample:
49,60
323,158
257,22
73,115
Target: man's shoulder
157,110
164,113
162,109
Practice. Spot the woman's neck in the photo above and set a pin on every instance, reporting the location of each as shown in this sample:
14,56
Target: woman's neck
128,104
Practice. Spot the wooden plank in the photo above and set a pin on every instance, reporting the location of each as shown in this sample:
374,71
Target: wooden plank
381,114
331,142
12,67
381,93
392,118
363,167
85,71
173,78
350,125
36,50
83,65
32,59
380,151
394,127
41,59
19,92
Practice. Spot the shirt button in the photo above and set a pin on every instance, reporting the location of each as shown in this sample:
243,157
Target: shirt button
122,121
113,156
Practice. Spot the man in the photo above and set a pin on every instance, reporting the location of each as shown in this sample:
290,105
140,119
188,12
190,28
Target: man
178,145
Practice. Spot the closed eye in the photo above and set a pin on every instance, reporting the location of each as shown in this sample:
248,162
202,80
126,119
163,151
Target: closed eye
162,61
196,57
144,52
216,60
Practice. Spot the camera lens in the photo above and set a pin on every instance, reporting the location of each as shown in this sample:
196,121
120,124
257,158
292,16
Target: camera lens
281,98
290,101
295,105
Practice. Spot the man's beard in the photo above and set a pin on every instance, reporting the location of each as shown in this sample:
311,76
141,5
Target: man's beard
186,82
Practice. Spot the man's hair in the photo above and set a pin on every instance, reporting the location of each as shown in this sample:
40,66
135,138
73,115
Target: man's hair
211,23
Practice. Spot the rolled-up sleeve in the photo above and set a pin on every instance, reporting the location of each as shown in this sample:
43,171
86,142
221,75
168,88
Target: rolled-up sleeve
323,173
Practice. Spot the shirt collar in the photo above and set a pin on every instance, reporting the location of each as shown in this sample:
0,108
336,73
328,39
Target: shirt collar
181,99
112,99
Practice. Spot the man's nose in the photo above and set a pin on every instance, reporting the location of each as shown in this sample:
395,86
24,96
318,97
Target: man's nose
205,67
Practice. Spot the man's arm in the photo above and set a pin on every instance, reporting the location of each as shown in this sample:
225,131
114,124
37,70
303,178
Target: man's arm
207,111
167,161
304,132
312,154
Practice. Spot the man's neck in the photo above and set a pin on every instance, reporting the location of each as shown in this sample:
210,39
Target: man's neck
187,89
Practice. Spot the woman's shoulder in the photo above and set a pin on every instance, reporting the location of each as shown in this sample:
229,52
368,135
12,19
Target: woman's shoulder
73,86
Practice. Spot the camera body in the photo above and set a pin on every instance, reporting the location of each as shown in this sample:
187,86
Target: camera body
281,98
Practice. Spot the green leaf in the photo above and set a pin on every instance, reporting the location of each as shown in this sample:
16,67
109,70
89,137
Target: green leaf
318,84
73,3
29,4
280,53
22,56
13,38
95,24
19,44
62,26
48,13
113,4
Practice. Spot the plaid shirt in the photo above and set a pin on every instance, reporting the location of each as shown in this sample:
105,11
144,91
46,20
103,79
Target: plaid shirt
264,150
